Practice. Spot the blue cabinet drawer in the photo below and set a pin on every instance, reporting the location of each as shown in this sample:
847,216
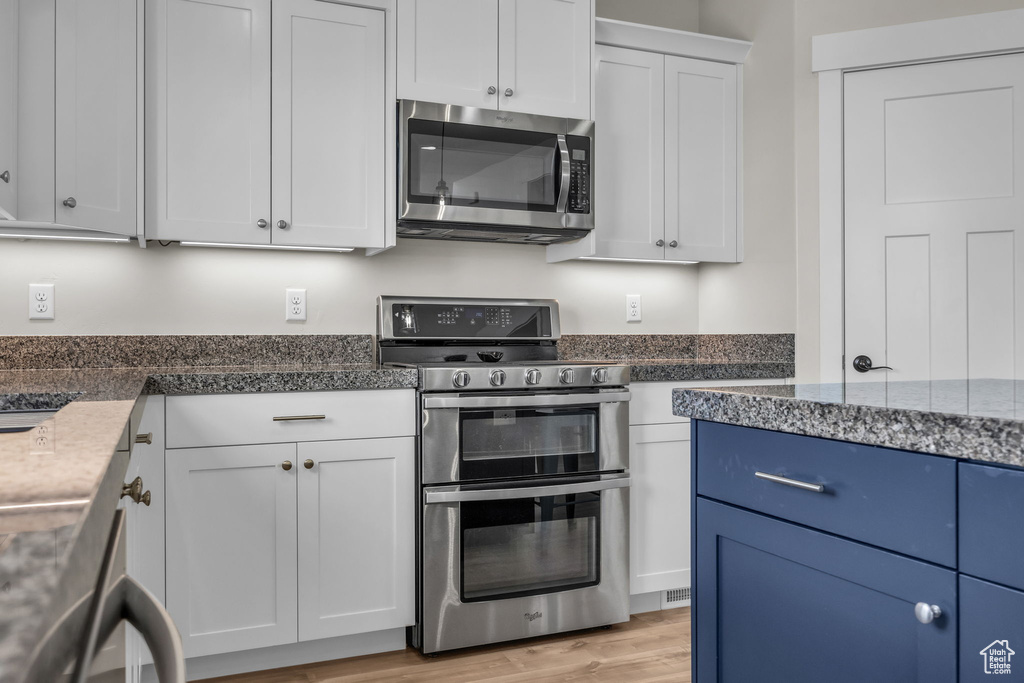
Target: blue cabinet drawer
893,499
991,535
991,631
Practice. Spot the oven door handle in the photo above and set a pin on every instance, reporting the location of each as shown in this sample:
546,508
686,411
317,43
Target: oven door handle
536,400
455,494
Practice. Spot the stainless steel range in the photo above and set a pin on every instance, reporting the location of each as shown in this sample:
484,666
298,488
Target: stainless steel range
523,472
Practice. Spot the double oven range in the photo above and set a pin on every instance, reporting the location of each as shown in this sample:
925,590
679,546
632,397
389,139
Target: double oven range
523,477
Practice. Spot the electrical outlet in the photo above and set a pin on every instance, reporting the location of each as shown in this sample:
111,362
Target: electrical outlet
295,304
634,312
40,302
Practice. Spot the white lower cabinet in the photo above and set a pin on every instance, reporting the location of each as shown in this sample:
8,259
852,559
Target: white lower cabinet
356,541
659,507
277,543
659,500
231,547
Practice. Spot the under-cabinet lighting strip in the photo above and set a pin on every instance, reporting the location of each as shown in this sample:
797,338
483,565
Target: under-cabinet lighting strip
83,238
638,260
63,503
262,246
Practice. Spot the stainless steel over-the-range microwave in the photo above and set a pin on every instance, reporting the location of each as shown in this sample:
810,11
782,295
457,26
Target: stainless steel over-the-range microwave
496,176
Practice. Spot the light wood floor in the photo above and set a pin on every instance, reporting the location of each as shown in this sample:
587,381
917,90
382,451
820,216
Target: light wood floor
650,647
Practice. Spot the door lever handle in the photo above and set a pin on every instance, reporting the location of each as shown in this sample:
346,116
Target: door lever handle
863,364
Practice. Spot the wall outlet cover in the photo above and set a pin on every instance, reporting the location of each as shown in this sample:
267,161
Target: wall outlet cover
295,304
40,302
634,308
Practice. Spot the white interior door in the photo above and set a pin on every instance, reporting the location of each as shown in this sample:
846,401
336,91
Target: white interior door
231,547
328,125
448,51
356,542
934,213
208,120
96,115
544,57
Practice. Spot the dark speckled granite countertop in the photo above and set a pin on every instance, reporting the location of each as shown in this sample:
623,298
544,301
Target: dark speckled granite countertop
978,419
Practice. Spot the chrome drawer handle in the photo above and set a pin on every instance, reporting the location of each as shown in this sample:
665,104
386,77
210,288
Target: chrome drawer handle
289,418
817,488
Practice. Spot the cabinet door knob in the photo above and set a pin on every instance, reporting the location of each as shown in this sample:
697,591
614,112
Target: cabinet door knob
146,499
926,613
133,490
491,90
659,243
261,223
673,244
5,176
286,465
308,464
70,202
282,224
508,92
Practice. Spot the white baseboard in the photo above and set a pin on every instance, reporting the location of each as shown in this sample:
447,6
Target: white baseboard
294,654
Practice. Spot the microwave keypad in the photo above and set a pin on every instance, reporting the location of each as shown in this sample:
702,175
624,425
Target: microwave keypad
579,187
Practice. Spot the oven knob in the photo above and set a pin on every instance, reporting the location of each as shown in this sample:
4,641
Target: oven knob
566,376
460,379
533,376
600,375
497,378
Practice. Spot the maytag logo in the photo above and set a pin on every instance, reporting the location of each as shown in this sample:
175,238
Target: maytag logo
505,119
530,616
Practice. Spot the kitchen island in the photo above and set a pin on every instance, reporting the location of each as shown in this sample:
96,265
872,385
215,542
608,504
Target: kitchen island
860,532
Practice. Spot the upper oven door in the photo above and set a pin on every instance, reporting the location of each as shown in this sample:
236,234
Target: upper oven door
476,166
472,437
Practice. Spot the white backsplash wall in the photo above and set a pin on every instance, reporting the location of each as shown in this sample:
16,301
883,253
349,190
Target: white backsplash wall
122,289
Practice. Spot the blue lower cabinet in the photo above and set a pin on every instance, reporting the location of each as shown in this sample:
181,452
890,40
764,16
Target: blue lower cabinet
991,632
775,601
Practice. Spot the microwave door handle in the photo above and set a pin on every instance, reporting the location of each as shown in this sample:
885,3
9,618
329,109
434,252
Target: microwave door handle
455,494
563,188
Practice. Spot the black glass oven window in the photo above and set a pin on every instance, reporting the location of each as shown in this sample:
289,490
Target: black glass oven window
480,166
528,442
530,546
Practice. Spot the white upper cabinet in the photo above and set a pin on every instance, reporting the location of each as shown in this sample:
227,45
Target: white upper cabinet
702,147
69,116
268,123
519,55
8,109
447,52
96,180
630,204
667,154
328,124
544,56
208,110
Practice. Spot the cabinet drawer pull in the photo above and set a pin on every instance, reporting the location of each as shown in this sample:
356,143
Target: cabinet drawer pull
144,438
817,488
289,418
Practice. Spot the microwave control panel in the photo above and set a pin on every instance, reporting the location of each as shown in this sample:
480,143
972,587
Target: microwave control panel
579,174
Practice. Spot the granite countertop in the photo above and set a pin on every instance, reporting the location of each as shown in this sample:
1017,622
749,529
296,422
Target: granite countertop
977,419
53,473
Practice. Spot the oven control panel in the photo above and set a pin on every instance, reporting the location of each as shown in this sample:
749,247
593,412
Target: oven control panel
412,320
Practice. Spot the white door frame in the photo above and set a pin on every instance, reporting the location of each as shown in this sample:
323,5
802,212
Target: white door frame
833,55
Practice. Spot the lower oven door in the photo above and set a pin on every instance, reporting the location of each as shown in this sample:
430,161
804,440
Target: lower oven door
507,562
